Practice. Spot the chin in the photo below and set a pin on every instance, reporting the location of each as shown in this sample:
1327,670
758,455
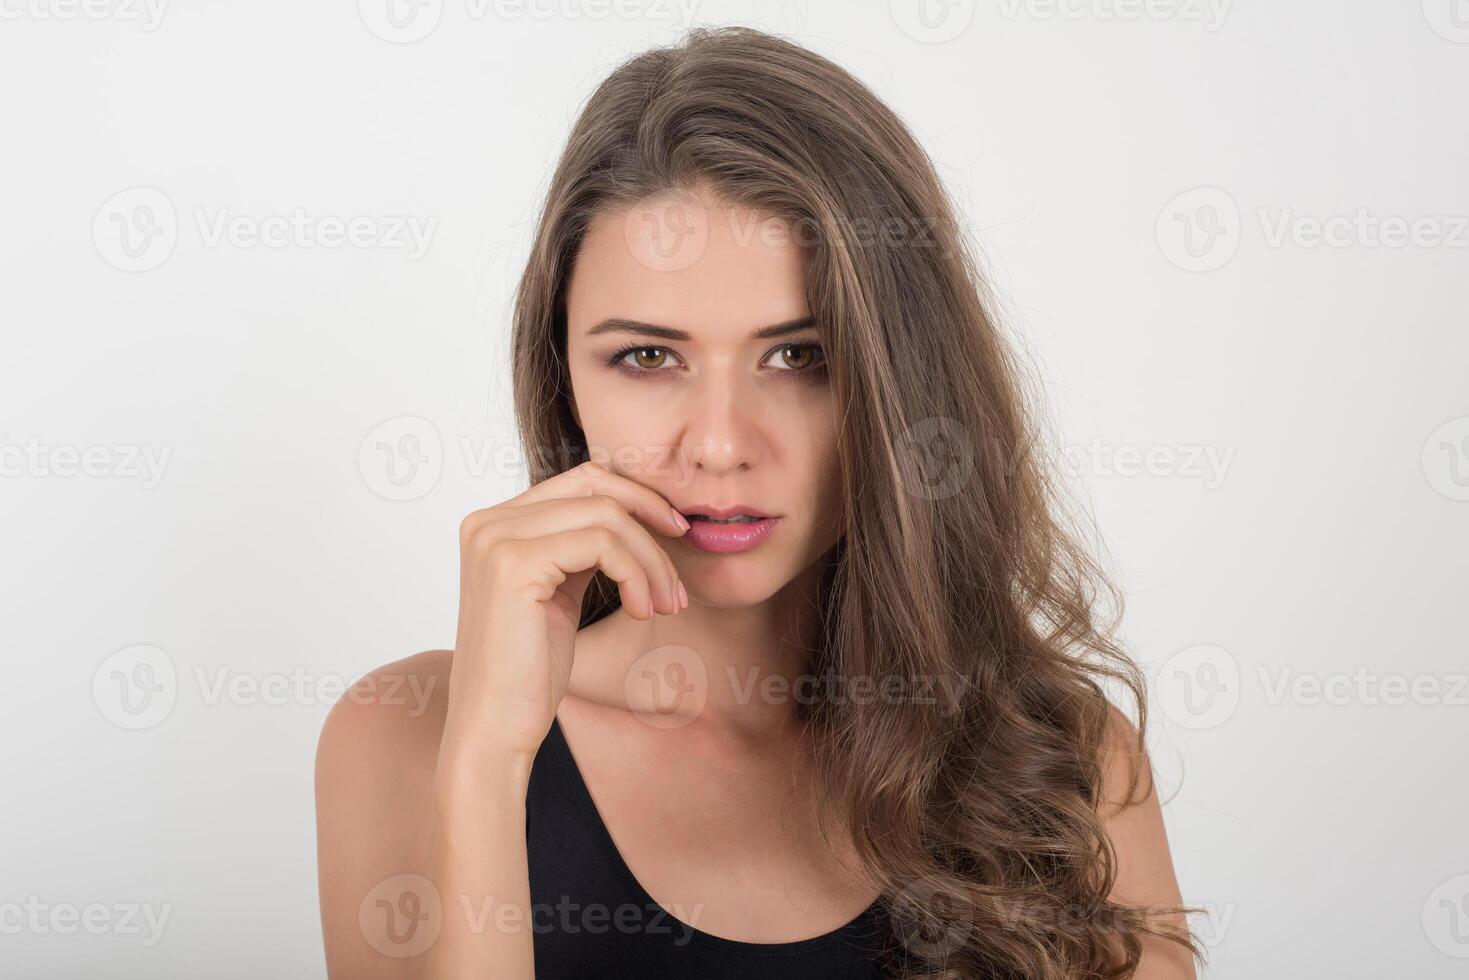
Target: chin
736,581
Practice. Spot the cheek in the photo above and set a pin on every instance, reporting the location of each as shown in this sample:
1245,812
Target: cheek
813,461
620,423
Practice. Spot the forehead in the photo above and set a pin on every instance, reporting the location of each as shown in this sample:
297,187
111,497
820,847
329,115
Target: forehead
734,270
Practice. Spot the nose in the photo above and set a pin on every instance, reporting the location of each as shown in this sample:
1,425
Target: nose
722,433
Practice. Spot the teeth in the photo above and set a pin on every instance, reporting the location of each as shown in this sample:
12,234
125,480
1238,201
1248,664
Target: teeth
742,519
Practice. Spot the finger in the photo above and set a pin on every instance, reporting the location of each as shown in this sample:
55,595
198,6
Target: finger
593,478
564,514
578,549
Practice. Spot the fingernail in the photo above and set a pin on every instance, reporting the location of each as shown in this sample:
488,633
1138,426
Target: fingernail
683,595
680,520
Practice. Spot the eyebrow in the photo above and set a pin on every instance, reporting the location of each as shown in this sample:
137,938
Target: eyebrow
620,325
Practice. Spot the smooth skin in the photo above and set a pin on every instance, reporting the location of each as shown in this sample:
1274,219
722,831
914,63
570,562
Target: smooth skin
701,794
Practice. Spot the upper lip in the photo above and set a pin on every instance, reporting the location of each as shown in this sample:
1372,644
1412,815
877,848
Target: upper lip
734,510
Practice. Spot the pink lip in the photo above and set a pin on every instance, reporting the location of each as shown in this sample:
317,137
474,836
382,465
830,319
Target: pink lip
727,539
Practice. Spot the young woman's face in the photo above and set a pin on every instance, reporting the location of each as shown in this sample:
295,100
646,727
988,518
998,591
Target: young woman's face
680,383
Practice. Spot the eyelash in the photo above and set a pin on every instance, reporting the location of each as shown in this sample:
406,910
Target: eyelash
810,372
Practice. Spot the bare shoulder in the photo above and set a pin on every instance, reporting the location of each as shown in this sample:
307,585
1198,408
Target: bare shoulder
1133,817
397,708
1127,774
379,744
375,762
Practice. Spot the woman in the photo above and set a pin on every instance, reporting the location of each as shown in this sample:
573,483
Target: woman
784,665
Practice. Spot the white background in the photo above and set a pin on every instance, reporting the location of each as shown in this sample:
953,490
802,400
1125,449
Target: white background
1324,545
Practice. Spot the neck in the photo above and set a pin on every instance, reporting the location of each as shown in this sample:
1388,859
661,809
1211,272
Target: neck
734,670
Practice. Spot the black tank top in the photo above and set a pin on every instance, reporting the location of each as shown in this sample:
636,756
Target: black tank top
592,918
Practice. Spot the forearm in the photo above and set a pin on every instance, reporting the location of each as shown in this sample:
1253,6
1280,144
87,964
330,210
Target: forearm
480,868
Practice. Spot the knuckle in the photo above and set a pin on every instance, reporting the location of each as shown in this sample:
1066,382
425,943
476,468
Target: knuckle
500,558
607,506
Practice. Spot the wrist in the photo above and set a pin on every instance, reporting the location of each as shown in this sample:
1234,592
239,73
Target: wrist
483,775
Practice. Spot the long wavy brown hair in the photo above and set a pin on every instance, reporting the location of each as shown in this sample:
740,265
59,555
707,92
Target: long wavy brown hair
974,808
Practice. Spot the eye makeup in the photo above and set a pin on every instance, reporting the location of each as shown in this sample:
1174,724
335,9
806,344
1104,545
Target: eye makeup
811,372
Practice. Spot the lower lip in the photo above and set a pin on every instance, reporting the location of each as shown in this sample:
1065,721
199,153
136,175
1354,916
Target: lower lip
726,539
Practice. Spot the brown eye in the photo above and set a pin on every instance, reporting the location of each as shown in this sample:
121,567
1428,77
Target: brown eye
649,357
798,357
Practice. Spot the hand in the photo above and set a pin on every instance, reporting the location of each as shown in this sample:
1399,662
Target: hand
524,566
